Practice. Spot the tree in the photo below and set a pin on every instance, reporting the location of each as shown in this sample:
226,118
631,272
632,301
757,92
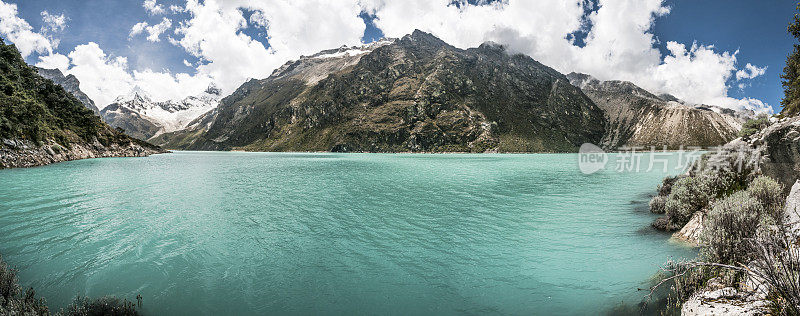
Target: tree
791,73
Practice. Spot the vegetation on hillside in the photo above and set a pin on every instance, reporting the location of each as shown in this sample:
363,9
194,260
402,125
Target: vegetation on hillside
791,73
754,125
35,109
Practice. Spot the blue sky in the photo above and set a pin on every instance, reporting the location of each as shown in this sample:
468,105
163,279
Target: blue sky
757,30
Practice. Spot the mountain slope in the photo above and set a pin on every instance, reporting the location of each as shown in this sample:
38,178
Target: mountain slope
41,123
638,118
415,94
71,84
142,118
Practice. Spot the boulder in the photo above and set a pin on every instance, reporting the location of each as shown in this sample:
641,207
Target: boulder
692,231
725,301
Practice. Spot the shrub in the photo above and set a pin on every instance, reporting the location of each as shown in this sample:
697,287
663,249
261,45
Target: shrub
10,301
689,195
769,193
9,286
753,126
730,222
657,204
665,188
104,306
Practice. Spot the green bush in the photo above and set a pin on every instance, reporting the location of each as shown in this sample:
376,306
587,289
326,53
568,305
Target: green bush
689,195
769,193
753,126
729,223
104,306
11,302
658,204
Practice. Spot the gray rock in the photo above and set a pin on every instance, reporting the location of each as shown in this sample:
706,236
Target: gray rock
692,231
726,301
792,209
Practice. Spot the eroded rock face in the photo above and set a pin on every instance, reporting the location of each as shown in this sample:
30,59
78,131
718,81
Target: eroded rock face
638,118
71,84
415,94
780,151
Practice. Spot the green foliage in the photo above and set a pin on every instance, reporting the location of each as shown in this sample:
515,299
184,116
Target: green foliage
753,126
791,73
11,302
769,193
36,109
689,195
729,223
104,306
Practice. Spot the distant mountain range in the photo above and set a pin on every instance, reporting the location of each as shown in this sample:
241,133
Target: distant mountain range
143,118
419,94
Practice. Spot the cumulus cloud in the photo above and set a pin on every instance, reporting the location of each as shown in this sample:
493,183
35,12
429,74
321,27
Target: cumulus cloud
19,32
154,31
54,61
55,23
216,29
615,42
618,43
105,77
153,8
750,72
137,29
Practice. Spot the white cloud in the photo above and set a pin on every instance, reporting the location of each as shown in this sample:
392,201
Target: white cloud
54,61
216,29
750,72
152,7
104,77
55,23
137,29
187,63
619,43
19,32
156,30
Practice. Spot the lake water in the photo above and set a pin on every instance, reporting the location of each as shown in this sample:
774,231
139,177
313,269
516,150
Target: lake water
291,233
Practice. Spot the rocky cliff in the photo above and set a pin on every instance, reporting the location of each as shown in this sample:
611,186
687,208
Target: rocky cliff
638,118
414,94
71,84
42,123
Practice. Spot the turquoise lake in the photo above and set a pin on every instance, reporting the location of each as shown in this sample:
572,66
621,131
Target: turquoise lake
331,234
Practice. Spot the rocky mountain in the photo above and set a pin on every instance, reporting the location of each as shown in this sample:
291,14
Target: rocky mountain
69,83
143,118
637,118
42,123
414,94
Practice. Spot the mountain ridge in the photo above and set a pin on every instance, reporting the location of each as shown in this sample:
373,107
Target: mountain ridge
636,117
415,94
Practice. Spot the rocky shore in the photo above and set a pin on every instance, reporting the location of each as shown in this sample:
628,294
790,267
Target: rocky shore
724,205
16,153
